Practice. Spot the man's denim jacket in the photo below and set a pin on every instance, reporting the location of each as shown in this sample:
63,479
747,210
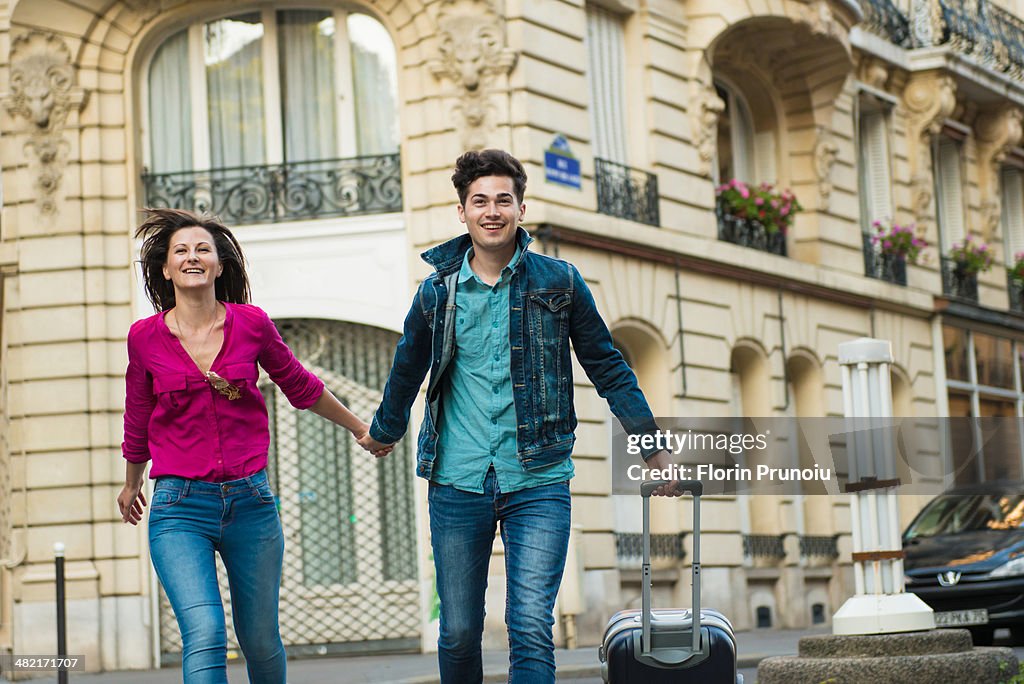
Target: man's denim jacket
549,306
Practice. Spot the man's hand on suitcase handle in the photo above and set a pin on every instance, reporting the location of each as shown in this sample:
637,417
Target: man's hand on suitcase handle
661,461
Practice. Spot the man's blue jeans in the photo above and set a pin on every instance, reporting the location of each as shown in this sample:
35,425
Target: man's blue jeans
188,521
535,530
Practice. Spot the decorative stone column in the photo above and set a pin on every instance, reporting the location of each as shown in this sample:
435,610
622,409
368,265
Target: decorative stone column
880,604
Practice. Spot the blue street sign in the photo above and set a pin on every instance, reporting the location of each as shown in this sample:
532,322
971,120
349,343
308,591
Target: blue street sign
560,166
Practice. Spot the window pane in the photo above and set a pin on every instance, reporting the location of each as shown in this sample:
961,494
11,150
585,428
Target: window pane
375,77
954,342
306,58
735,138
994,357
234,86
170,105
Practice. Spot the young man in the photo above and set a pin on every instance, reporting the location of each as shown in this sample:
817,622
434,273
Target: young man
493,325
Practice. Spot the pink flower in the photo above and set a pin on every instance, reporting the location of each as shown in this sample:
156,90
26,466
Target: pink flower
744,193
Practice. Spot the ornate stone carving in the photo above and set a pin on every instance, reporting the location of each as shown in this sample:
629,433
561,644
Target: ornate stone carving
706,107
472,55
998,132
930,98
818,16
146,9
825,153
43,93
873,72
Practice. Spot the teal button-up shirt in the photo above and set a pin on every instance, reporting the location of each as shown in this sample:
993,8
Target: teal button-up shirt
478,418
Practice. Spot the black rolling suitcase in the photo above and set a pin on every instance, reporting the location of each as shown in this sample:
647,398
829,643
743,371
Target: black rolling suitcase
669,646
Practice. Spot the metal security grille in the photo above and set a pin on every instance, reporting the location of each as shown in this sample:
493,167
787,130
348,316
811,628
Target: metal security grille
349,582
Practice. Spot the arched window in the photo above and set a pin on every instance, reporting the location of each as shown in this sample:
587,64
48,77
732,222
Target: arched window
272,86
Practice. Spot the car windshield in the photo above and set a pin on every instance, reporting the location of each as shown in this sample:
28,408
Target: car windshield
953,514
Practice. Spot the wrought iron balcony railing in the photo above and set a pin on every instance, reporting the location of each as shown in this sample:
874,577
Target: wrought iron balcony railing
979,29
886,267
884,18
957,283
284,192
1015,288
631,545
764,546
626,192
819,546
748,232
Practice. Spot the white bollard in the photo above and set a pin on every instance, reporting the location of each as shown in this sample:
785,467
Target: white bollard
880,604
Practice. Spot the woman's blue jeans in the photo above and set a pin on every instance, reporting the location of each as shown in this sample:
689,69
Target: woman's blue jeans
535,530
188,521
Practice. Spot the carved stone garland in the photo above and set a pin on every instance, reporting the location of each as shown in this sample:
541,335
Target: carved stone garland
473,54
930,99
825,153
707,107
43,93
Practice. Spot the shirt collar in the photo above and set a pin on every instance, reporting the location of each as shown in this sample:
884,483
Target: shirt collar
466,272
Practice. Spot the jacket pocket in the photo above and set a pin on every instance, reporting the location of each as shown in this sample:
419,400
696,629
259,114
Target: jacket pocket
548,330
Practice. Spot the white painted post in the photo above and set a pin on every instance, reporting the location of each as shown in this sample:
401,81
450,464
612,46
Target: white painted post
880,604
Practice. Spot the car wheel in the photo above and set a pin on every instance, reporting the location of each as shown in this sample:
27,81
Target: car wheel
982,636
1017,635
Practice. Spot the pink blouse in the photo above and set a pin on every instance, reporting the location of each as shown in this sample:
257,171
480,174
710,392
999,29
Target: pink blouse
174,417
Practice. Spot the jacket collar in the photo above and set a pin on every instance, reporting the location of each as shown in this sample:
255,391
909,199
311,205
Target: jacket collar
447,257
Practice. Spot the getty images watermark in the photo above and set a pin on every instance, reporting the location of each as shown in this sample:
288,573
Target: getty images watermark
734,444
809,456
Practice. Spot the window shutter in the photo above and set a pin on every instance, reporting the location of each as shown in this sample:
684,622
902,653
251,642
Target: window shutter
949,193
875,175
606,53
1012,182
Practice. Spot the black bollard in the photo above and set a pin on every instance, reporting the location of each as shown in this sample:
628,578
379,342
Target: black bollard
62,637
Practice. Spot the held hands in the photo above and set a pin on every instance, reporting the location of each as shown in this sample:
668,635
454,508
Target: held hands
131,502
376,448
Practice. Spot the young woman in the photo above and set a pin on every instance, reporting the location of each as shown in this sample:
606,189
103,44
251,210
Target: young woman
193,408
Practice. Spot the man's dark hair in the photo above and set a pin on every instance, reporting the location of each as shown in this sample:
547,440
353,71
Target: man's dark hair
473,165
160,225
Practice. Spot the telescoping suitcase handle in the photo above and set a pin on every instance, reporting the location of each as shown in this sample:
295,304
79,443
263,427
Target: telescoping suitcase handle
696,488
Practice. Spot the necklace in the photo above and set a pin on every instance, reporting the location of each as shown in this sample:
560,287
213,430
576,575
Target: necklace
206,338
222,386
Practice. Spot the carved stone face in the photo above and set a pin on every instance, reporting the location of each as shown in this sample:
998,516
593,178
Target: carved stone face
38,82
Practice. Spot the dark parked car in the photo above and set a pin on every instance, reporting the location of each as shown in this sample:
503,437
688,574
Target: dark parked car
965,558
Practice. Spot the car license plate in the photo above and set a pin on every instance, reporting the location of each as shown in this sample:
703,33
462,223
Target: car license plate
957,618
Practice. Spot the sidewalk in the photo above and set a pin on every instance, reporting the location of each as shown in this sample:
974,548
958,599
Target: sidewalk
421,668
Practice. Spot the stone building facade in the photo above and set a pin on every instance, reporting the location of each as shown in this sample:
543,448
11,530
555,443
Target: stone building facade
325,131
